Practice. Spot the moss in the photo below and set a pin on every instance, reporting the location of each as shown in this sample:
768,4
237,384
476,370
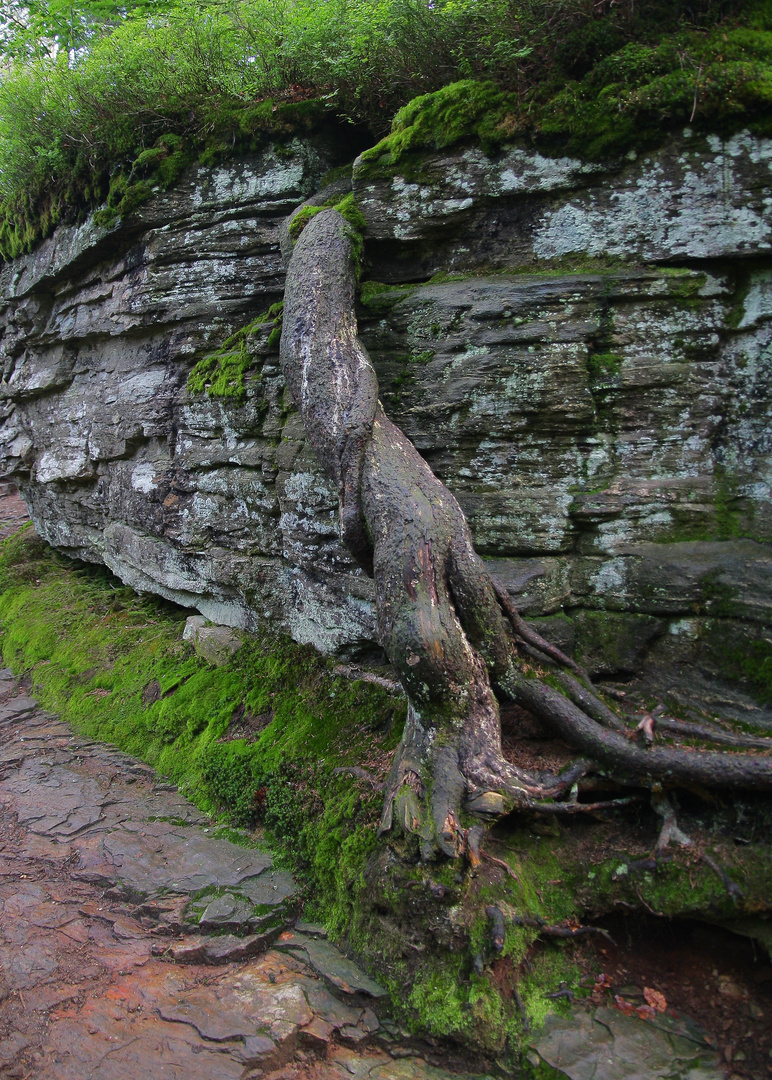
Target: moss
604,365
463,110
222,374
85,640
340,172
302,218
628,100
112,189
736,311
742,653
349,211
376,296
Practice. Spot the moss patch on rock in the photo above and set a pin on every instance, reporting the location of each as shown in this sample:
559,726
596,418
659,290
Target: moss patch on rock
629,100
221,374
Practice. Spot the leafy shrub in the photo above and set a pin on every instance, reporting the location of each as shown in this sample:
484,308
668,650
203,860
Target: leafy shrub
121,109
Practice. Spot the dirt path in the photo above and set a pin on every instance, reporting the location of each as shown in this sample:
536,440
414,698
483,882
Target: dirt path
134,943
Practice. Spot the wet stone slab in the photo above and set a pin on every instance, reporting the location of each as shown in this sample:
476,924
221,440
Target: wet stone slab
605,1044
135,943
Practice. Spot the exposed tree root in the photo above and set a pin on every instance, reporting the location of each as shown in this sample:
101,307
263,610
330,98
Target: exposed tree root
670,833
451,632
708,733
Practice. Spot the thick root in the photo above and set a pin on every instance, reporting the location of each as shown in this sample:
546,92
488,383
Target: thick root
451,632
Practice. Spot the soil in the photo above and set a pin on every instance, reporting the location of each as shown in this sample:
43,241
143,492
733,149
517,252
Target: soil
716,978
710,975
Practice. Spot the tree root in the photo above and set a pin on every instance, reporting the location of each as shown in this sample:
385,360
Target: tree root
708,733
671,832
451,632
565,930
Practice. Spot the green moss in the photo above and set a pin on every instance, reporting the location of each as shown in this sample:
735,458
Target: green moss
627,101
92,646
302,218
352,215
742,654
221,374
376,296
604,365
463,110
438,1002
113,184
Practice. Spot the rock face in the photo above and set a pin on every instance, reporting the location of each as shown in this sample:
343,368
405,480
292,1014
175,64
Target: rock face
588,369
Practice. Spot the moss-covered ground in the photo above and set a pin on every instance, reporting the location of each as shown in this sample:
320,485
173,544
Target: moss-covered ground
261,742
113,664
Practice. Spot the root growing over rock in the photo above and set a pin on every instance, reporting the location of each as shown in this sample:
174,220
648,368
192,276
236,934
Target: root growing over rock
453,633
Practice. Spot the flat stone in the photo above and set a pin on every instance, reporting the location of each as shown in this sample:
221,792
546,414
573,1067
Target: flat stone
215,644
311,929
318,1032
257,1048
271,887
225,947
607,1045
193,624
226,910
335,968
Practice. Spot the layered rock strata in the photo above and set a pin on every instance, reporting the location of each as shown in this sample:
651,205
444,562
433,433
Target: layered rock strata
581,352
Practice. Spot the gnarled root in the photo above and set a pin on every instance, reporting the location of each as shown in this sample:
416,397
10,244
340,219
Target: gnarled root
451,632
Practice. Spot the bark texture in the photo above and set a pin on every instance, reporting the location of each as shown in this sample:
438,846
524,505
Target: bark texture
451,632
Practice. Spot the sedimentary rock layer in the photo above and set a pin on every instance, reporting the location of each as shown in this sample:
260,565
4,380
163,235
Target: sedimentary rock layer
588,371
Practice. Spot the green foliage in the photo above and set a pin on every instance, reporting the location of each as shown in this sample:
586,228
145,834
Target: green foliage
127,115
58,27
91,125
714,81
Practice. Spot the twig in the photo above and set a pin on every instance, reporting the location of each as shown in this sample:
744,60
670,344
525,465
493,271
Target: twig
663,807
502,864
348,671
734,890
582,808
696,94
563,992
360,774
545,930
521,1010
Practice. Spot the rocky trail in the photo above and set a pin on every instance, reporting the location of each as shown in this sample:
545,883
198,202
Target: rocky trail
135,942
138,940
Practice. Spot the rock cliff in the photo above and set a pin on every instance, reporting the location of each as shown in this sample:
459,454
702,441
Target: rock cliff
581,352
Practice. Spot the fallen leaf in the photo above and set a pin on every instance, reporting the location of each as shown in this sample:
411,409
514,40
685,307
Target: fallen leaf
624,1006
646,1012
655,999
